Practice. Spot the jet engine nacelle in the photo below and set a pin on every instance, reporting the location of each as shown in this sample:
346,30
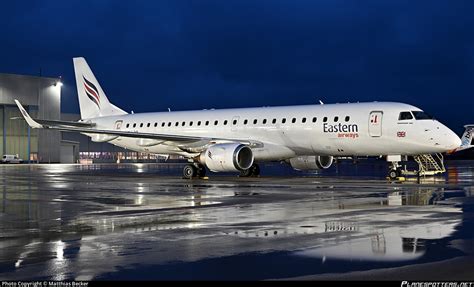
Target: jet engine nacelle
312,162
227,157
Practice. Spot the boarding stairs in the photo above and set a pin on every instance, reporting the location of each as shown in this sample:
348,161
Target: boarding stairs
429,164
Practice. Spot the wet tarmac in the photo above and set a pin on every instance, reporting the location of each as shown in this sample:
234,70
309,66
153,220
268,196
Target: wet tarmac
143,222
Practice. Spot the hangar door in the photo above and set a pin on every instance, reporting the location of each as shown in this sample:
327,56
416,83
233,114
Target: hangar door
375,124
66,154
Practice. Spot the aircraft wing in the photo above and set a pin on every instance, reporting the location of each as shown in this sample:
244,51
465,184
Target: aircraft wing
88,128
64,123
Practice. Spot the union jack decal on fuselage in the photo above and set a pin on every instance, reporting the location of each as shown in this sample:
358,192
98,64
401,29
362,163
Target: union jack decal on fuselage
91,92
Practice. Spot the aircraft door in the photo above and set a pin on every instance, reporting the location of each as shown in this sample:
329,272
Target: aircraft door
118,124
375,124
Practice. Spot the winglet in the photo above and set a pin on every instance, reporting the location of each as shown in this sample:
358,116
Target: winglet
32,123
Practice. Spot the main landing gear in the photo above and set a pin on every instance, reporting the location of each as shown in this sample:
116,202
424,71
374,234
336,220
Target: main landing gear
253,171
192,170
195,170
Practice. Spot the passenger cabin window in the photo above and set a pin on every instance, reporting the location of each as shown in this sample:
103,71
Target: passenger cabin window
169,124
176,124
293,120
148,125
246,121
255,121
128,125
183,123
216,122
325,119
190,124
274,121
264,121
303,120
199,123
141,125
347,118
314,119
283,120
234,122
420,115
156,124
405,116
163,124
225,122
336,119
207,123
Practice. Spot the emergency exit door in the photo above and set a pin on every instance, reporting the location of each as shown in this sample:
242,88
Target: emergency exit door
375,124
118,124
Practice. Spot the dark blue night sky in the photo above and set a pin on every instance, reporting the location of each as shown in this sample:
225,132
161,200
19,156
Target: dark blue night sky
151,55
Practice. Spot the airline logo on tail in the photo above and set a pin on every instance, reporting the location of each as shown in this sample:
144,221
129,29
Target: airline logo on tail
91,92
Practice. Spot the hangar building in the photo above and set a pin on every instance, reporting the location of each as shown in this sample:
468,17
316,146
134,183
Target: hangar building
41,97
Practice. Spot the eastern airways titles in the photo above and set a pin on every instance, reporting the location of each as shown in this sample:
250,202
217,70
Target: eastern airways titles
328,128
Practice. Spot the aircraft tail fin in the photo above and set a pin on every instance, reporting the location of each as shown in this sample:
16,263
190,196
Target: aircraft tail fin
92,100
467,139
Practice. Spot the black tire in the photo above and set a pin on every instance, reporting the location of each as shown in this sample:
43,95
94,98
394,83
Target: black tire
399,172
201,171
246,172
189,171
254,170
393,174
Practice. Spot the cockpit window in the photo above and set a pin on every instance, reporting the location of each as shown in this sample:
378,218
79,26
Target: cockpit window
419,115
405,116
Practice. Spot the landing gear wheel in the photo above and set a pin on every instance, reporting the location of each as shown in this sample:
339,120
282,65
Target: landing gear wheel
201,170
246,172
254,170
189,171
394,173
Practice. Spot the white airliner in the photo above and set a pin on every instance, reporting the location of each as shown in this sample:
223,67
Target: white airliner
235,140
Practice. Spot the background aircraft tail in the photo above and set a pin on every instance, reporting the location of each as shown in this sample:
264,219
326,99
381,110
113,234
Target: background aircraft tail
467,139
92,100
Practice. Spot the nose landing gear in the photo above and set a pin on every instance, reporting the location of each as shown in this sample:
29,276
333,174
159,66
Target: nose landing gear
395,170
428,165
395,173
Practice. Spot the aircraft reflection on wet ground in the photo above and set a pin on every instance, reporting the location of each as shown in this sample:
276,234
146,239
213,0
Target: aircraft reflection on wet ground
140,222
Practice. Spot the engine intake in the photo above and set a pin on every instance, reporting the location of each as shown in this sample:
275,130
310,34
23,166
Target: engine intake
227,157
311,162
